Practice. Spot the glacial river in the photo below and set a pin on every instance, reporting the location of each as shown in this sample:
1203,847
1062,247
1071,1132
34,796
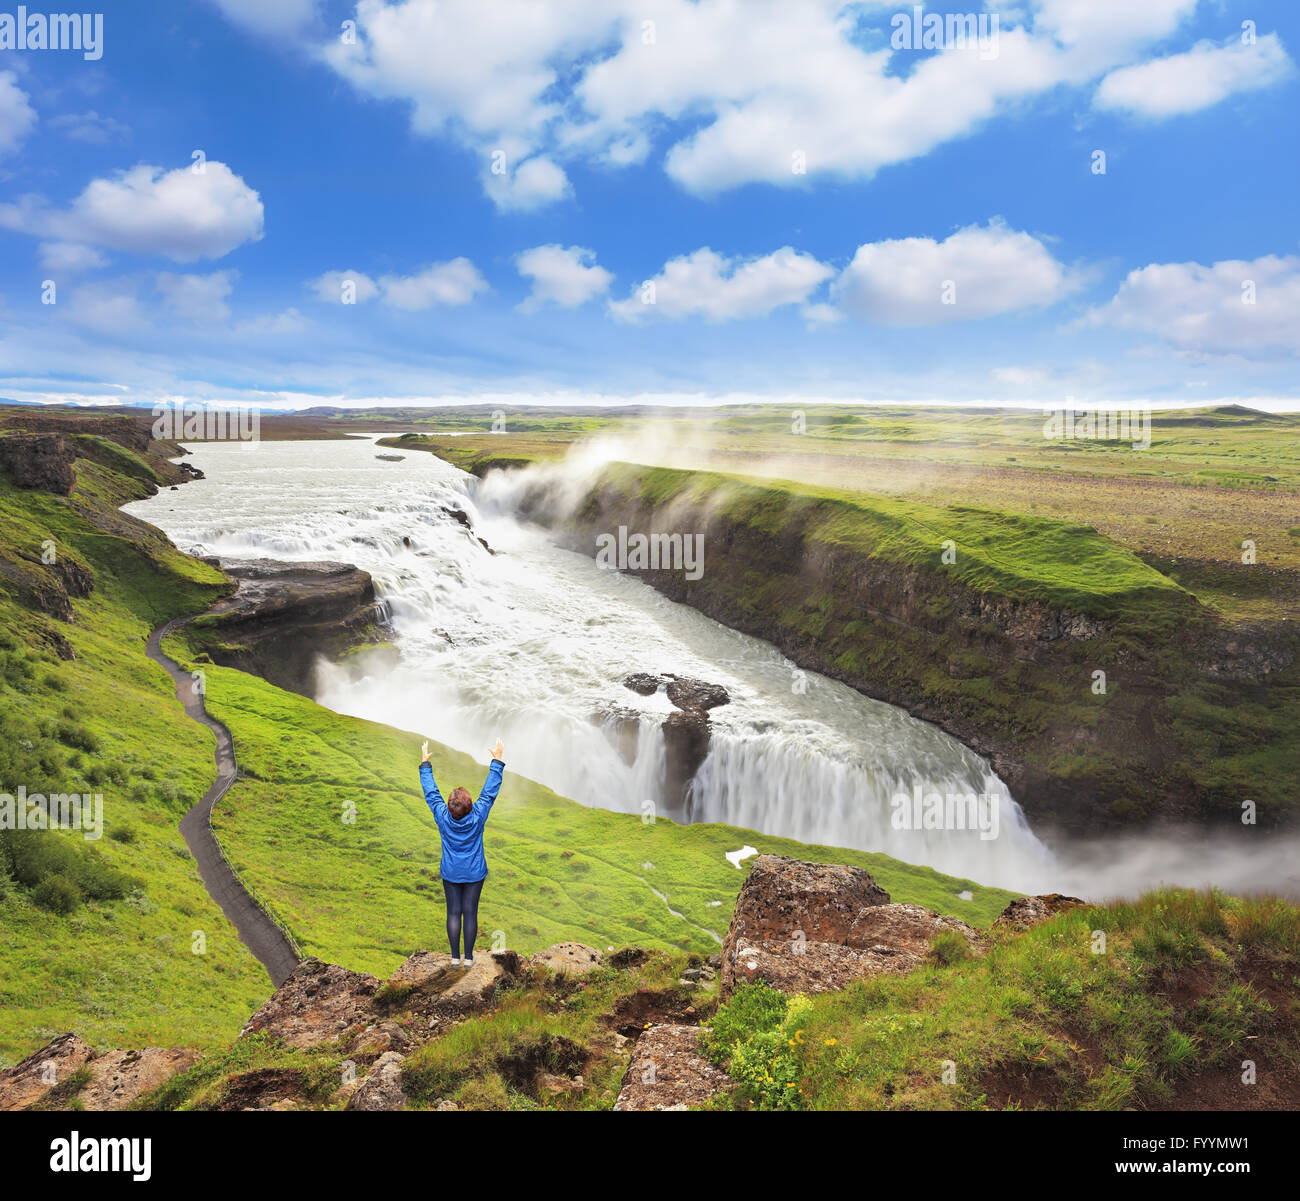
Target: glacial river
532,644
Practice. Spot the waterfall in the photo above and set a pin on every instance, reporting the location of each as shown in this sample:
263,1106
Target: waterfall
532,644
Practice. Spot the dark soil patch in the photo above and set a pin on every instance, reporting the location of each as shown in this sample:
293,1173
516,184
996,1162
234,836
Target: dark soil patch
648,1008
555,1054
263,1087
629,957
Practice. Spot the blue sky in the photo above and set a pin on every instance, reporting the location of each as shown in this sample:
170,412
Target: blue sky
823,211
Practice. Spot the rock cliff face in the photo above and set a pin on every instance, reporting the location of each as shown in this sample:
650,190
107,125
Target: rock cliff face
989,668
285,616
41,461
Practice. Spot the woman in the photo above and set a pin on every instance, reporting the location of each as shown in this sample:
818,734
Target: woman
461,822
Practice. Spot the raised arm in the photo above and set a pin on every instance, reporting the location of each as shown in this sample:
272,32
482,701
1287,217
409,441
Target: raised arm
432,797
492,785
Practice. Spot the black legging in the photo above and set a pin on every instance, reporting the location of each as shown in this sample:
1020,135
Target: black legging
462,912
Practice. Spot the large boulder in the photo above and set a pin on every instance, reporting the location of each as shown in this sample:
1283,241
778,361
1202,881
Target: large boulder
814,927
317,1003
884,938
1024,912
668,1071
782,896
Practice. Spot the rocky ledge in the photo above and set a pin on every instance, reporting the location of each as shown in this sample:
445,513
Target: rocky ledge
284,617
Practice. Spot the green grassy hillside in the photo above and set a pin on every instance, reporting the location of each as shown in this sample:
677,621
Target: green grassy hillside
99,936
366,893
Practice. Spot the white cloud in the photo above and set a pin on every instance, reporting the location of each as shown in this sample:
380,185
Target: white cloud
17,117
1189,82
109,307
536,182
707,284
991,270
269,17
1204,309
481,70
199,298
1020,377
456,282
1102,32
565,276
70,257
549,81
181,214
331,286
291,321
90,127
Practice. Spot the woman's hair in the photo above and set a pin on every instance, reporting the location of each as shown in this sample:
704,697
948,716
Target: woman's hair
460,803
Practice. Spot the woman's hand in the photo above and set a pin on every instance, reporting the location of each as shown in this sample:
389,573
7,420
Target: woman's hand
424,753
498,751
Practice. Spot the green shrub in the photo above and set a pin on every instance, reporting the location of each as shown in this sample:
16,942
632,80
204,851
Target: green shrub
58,894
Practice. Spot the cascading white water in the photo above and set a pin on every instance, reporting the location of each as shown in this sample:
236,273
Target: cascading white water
532,644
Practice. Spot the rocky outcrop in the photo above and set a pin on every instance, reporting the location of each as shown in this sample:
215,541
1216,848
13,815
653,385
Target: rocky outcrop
112,1081
429,984
1029,911
781,896
320,1002
317,1003
668,1072
27,1082
381,1087
119,1078
42,461
686,731
571,958
284,617
48,587
812,928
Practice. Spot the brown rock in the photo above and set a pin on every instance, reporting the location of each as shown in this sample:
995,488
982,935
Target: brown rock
572,958
317,1003
669,1072
41,461
27,1082
428,982
1029,911
559,1085
381,1089
884,938
813,927
782,897
382,1036
118,1078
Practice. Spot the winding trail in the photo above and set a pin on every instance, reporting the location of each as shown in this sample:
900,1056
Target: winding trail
256,929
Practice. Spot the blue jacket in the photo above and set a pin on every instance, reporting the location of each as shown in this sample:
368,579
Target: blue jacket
462,840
